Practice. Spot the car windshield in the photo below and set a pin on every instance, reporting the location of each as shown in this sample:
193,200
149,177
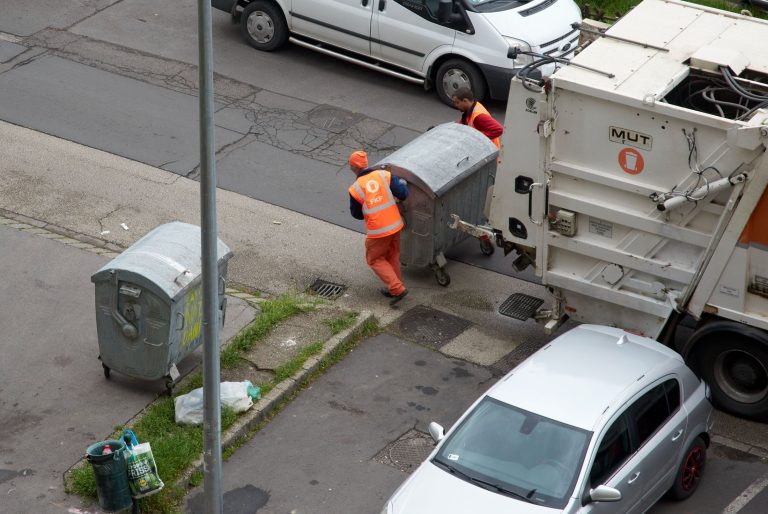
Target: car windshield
517,453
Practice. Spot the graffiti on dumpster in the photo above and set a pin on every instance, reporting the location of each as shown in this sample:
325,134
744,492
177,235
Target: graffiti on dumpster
193,316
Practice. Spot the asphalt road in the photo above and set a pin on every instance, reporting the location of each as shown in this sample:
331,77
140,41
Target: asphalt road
347,442
283,132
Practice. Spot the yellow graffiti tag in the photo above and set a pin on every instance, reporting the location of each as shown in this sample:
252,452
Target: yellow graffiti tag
193,316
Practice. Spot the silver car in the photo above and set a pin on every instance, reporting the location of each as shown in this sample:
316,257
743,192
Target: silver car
597,421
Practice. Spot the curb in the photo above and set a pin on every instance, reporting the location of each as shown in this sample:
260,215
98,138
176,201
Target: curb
59,234
278,395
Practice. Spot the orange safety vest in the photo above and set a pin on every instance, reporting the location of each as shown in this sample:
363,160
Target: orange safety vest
382,217
478,110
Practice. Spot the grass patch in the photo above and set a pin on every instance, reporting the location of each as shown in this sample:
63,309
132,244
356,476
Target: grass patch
177,447
610,10
174,447
341,323
272,312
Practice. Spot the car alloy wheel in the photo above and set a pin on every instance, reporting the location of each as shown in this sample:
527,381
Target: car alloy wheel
692,468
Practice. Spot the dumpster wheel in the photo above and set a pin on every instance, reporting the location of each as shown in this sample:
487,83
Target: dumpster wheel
486,246
442,277
169,383
107,370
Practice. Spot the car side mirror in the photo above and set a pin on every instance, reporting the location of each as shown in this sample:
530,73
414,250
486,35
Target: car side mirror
445,14
603,493
436,431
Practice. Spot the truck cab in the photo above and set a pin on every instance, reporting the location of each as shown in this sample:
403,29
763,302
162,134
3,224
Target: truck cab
441,44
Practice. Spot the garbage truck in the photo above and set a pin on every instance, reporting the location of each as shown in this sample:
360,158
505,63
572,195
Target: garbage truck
634,180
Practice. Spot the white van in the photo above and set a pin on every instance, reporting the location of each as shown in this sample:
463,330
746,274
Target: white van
443,44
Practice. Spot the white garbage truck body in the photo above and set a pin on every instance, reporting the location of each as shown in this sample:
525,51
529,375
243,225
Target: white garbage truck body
639,194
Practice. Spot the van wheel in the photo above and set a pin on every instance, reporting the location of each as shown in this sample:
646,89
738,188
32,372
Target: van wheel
263,26
736,368
457,73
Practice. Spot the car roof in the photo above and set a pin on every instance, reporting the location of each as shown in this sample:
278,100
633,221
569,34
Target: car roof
584,373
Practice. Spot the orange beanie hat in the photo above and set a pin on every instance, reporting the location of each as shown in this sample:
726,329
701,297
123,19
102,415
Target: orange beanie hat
359,159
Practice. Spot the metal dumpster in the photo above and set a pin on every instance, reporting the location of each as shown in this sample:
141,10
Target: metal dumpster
449,170
149,303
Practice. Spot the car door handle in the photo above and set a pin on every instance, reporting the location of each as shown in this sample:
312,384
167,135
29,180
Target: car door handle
634,477
382,5
677,435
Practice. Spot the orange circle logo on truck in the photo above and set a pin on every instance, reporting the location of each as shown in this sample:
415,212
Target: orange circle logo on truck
631,161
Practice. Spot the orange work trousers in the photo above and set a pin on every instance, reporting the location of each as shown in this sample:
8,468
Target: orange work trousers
383,256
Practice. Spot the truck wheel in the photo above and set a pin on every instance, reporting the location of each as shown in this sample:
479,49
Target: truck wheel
456,73
735,366
263,26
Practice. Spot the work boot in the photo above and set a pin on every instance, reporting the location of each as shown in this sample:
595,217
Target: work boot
385,292
397,298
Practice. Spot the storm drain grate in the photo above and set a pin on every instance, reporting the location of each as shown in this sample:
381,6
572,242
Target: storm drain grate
431,327
407,452
328,290
520,306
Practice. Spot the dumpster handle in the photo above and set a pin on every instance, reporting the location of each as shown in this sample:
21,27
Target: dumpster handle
180,315
464,159
152,344
126,327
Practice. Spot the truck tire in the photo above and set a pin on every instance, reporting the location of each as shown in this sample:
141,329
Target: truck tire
733,360
263,26
456,73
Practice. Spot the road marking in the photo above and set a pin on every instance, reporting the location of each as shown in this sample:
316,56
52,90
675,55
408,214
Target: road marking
747,495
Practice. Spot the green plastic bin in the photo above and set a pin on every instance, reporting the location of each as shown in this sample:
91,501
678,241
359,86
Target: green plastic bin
111,475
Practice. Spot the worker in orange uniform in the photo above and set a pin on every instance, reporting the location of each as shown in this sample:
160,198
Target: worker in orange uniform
473,114
372,198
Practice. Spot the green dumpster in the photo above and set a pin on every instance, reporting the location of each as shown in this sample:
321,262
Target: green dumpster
111,475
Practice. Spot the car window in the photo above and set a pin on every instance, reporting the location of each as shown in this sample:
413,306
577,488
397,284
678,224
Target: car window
672,387
613,451
652,409
424,8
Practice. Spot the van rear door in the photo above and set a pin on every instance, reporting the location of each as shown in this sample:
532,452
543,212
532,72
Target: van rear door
405,32
343,23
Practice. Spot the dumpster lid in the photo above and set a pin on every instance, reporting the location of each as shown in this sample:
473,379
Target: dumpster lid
169,257
441,157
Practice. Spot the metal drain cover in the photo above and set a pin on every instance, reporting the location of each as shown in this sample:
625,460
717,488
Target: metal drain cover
430,326
407,452
520,306
328,290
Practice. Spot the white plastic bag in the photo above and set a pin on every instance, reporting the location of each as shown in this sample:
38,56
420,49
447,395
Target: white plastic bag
236,395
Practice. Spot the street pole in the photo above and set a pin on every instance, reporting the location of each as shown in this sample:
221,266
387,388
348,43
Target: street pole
211,408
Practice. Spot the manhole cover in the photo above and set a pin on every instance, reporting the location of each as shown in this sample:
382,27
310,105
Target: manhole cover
332,119
407,452
430,326
520,306
328,290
